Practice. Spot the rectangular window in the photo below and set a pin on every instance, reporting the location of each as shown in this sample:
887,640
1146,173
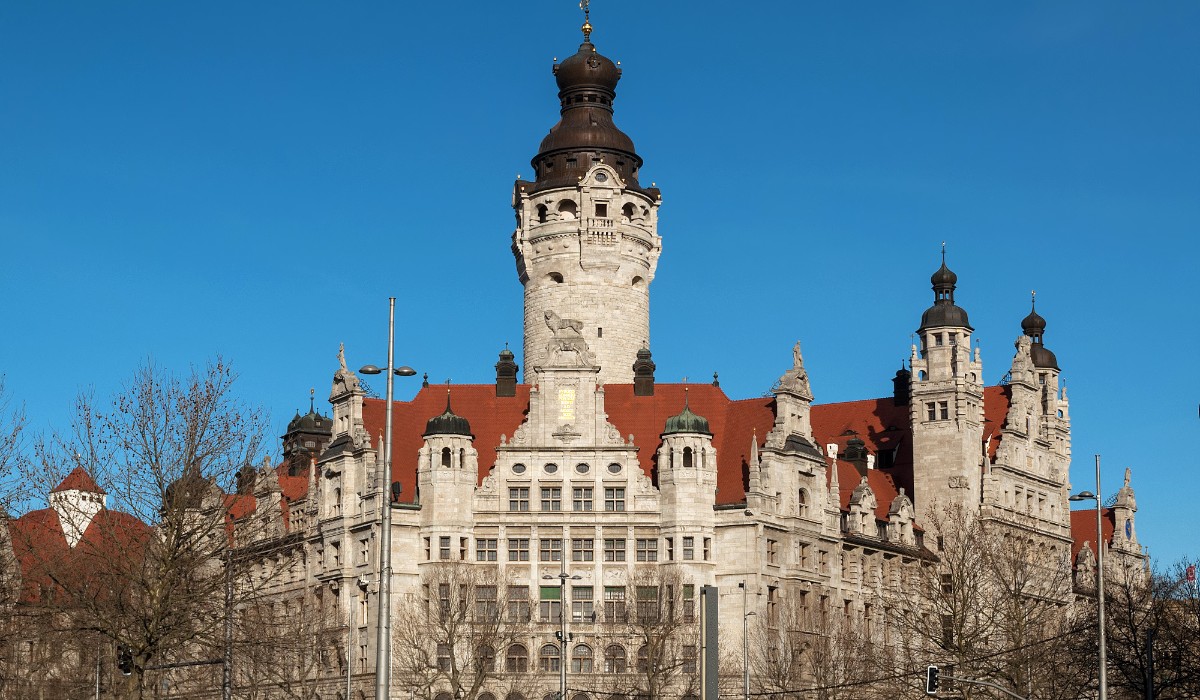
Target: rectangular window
707,548
772,606
614,499
550,604
689,658
689,548
647,603
689,602
518,604
443,601
614,604
647,550
582,549
443,548
487,607
937,338
551,498
602,209
582,498
427,549
549,550
582,604
335,553
931,410
802,553
614,549
772,551
364,551
462,548
485,549
518,549
518,498
943,410
670,549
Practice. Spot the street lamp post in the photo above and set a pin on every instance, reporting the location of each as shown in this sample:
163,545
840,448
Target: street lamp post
383,636
745,643
1089,496
563,635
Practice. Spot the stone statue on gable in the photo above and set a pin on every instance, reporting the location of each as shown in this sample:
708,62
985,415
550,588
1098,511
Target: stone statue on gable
795,380
344,381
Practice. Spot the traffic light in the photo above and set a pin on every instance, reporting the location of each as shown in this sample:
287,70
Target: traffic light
931,680
125,659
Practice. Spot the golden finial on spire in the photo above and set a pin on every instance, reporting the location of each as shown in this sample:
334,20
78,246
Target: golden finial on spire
1033,297
587,25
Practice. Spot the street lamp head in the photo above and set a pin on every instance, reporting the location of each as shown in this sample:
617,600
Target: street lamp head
404,371
1083,496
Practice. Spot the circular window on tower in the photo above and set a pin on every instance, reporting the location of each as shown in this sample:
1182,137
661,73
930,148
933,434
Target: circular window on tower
551,468
614,468
601,176
518,469
582,468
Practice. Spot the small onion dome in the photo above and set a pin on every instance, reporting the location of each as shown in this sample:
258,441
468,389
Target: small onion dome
1042,357
1033,325
687,422
448,423
586,68
943,277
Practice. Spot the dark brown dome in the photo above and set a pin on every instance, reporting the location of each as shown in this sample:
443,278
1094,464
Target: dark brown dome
944,311
585,133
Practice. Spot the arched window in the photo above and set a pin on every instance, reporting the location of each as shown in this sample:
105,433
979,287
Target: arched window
802,503
614,659
549,657
687,457
486,658
567,210
486,696
517,660
627,212
445,456
581,662
643,659
443,696
462,458
541,213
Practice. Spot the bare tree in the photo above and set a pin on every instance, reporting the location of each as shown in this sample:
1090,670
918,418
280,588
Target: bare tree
453,635
1159,611
995,606
154,578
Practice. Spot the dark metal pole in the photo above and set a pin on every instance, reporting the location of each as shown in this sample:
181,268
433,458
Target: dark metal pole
1100,586
383,638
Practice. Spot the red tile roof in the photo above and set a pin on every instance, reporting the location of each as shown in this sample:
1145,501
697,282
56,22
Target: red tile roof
112,543
1083,529
880,423
78,480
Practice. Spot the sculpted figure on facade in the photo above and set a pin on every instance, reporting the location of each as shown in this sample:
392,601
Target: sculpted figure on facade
567,348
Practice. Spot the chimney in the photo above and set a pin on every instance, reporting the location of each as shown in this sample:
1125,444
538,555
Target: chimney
506,374
643,374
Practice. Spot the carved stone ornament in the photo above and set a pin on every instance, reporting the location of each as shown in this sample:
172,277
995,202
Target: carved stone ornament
567,348
521,435
958,482
566,433
489,485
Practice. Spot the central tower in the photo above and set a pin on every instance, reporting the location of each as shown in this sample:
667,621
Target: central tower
586,243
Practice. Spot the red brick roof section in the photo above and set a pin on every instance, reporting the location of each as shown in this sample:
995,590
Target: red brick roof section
78,480
880,423
996,400
1083,529
111,545
490,417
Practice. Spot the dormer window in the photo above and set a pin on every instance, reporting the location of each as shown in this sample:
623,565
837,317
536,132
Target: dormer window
602,209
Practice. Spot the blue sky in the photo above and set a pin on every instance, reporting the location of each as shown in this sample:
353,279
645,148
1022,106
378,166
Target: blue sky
254,180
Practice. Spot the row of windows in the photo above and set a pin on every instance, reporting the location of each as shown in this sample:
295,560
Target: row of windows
581,468
583,549
582,499
516,659
649,605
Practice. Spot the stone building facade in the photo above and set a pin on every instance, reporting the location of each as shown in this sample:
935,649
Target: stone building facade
633,494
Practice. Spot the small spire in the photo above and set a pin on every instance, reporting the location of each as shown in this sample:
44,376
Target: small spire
1033,298
716,381
943,252
587,24
425,381
312,393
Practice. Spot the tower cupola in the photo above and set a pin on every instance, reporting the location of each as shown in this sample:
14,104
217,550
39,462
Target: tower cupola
1034,326
585,132
944,311
687,422
448,423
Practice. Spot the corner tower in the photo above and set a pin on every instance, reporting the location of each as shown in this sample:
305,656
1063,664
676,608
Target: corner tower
946,402
586,243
